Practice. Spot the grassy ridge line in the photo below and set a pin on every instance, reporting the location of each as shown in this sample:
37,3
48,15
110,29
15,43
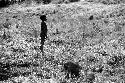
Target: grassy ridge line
96,9
51,7
65,6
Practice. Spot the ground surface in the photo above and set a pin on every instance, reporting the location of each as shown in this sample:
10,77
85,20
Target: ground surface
89,34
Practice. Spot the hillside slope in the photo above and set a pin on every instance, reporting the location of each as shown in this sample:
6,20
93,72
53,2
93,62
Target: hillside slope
89,34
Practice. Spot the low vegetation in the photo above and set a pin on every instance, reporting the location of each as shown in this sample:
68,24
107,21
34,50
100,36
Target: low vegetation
92,43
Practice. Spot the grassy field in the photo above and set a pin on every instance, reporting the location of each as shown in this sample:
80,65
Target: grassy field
89,34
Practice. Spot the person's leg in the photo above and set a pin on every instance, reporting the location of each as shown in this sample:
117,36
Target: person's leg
41,47
42,43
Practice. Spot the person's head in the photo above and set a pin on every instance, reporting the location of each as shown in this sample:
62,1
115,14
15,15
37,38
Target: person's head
43,17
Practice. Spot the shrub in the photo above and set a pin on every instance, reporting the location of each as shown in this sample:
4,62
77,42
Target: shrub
74,0
115,61
21,64
6,25
4,3
46,1
72,69
38,1
98,69
4,71
90,78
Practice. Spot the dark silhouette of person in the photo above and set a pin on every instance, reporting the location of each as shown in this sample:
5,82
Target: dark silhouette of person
43,33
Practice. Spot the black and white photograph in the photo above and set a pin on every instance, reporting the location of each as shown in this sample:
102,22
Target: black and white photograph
62,41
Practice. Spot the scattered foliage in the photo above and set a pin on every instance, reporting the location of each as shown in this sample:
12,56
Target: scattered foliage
115,61
72,69
90,78
4,71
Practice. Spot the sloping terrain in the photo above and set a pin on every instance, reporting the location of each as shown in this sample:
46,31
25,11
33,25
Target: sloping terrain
89,34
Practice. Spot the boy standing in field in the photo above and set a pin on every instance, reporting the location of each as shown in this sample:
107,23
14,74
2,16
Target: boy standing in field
43,33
